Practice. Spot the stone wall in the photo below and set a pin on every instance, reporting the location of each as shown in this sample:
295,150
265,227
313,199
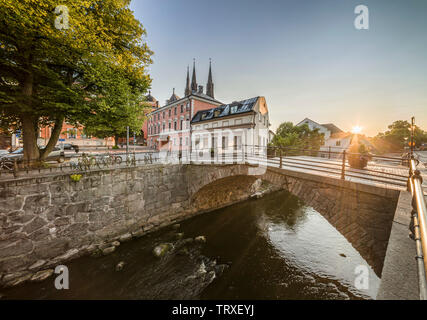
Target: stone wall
51,219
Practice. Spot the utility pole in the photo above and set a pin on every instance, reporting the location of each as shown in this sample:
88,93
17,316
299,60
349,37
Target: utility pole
134,142
127,141
412,136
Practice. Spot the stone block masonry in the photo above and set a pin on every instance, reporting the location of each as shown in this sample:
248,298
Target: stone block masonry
51,219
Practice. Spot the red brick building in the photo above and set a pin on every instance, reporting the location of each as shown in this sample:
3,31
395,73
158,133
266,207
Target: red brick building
168,127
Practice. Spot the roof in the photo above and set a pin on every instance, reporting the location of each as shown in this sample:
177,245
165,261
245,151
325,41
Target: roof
193,94
341,135
150,98
332,128
224,110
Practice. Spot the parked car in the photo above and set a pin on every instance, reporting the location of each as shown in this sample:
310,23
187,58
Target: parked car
70,146
3,152
57,154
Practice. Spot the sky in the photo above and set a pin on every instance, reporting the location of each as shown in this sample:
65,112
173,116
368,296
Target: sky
304,56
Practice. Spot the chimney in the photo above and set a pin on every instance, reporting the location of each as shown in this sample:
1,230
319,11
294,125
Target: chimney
200,89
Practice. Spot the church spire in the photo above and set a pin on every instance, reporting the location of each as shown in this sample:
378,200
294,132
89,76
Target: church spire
187,86
193,79
210,85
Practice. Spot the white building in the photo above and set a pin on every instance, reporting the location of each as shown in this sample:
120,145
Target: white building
336,140
232,126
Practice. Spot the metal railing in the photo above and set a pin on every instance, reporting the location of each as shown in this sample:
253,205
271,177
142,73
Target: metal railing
326,162
419,215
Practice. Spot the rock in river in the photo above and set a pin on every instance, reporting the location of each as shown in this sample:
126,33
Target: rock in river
162,249
201,239
120,266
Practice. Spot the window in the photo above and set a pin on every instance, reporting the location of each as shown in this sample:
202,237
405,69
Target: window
175,110
186,141
338,143
225,123
164,126
233,109
238,121
170,111
188,106
180,141
174,125
182,108
163,114
217,113
181,124
169,125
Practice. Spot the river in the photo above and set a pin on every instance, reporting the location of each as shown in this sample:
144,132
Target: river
269,248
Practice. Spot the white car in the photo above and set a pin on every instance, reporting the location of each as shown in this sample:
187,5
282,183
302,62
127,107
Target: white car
3,152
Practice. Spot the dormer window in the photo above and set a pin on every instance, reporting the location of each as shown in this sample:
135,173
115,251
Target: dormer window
217,113
233,109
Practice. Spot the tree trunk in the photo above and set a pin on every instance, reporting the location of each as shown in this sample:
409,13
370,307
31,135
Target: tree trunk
29,122
53,138
116,140
29,136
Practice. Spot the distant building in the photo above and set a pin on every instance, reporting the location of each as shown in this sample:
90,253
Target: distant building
336,140
168,127
231,126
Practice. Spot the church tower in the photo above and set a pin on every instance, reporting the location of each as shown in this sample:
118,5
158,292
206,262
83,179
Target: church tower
210,85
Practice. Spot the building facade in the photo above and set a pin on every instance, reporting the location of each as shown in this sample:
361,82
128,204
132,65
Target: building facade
240,125
168,127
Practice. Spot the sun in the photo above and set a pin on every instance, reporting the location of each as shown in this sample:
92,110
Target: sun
356,129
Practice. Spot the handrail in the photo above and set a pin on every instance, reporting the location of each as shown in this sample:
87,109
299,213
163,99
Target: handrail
420,224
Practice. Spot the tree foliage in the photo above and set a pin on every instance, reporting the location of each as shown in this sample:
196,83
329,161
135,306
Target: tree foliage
297,137
48,75
398,136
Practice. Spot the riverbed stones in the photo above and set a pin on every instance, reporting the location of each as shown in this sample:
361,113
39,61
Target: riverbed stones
42,275
120,266
108,250
125,237
200,239
115,243
162,249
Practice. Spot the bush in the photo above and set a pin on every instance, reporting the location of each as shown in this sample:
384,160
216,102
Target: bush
115,147
358,156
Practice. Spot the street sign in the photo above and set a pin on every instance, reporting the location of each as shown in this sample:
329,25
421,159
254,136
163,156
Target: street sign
61,140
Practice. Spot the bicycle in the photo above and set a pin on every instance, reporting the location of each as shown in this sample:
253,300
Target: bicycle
6,164
130,160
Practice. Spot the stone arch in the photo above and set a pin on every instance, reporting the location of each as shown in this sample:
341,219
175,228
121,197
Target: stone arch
362,214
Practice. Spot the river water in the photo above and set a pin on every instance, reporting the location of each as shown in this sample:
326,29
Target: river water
269,248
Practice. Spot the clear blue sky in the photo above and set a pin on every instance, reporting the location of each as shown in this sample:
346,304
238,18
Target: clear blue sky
304,56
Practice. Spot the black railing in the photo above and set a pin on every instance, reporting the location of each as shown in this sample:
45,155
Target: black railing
311,159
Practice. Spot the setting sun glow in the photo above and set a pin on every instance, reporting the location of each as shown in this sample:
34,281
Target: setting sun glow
356,129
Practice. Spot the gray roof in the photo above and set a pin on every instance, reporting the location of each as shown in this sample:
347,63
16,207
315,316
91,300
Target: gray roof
225,110
332,128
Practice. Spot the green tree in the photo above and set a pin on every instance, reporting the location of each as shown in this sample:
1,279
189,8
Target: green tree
48,75
297,137
398,136
121,105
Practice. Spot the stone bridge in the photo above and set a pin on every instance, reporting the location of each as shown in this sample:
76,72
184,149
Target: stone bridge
47,220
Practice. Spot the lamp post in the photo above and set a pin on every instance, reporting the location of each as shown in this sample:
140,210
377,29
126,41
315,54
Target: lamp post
412,135
127,141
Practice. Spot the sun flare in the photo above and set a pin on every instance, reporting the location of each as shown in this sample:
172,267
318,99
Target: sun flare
356,129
